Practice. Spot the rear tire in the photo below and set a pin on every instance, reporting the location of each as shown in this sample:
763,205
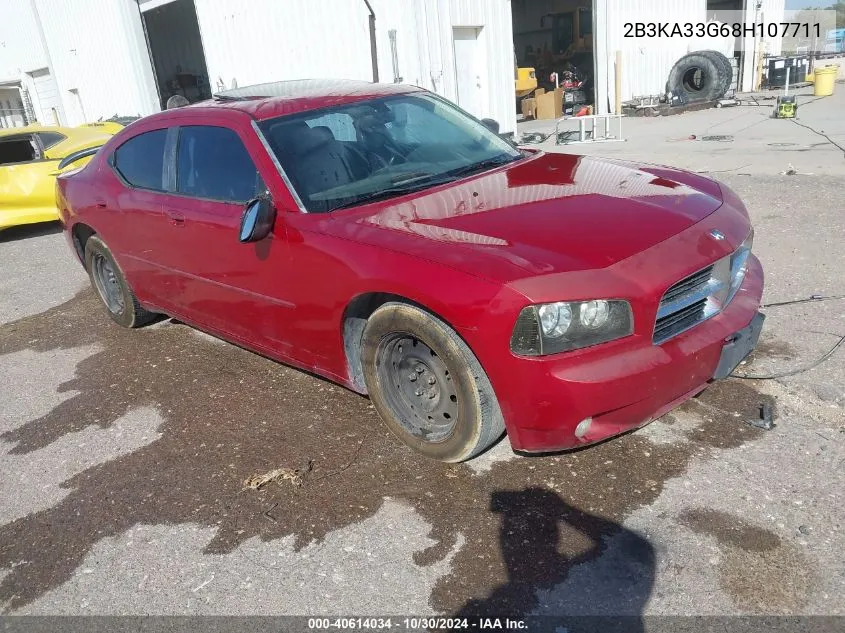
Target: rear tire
112,287
427,385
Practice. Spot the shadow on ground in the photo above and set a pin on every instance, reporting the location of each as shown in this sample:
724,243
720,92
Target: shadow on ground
229,414
27,231
542,538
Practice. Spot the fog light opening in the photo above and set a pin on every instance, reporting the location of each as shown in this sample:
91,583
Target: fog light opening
583,428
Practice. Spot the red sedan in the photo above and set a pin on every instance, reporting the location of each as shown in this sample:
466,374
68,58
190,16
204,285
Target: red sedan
380,237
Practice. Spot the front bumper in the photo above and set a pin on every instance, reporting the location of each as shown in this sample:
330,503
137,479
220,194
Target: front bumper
625,384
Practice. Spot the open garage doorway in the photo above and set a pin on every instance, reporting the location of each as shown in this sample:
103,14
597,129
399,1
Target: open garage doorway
556,36
176,51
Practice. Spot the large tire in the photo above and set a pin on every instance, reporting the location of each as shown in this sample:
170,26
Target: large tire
111,286
697,77
719,58
427,385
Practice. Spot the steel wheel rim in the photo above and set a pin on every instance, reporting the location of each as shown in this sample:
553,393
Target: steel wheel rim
105,279
418,387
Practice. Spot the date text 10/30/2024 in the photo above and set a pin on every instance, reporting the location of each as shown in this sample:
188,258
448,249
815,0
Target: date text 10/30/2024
490,624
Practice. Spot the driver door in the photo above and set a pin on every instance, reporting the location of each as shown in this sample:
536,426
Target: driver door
237,289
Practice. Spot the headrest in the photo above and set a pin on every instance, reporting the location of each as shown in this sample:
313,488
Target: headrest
286,136
313,138
323,132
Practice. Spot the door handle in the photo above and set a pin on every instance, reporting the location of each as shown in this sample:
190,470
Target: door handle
100,203
176,218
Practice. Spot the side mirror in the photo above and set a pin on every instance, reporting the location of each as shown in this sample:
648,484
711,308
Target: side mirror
257,220
491,124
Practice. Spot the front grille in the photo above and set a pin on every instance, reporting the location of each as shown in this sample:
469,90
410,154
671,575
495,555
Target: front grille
701,295
693,299
675,323
691,283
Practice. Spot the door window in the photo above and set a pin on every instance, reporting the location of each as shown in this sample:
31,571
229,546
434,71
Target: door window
214,164
140,160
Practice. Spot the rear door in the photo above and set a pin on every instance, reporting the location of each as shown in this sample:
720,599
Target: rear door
236,288
133,215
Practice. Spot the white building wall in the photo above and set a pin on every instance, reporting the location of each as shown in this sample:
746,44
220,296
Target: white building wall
20,43
99,57
102,68
498,76
24,62
424,34
270,40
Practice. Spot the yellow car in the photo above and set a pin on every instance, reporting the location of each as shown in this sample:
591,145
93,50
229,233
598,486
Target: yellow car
30,159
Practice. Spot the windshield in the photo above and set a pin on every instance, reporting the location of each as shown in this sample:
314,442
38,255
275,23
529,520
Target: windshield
347,155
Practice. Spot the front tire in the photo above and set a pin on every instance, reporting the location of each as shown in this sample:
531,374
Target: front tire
111,286
427,385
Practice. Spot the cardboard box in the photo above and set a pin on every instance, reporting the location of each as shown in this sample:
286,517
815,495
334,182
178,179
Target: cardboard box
549,104
529,107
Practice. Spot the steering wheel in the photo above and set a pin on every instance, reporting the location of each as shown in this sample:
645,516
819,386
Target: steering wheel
363,166
394,155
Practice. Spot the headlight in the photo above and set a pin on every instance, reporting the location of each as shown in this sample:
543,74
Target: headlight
549,328
555,318
739,265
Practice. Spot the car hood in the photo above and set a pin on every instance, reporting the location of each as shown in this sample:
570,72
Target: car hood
546,213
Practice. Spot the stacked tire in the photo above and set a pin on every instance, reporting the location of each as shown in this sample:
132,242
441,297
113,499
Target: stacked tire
700,76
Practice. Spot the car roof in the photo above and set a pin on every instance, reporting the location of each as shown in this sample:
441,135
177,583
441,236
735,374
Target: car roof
269,100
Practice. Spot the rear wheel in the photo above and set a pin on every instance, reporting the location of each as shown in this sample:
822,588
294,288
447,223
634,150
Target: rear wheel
427,385
111,286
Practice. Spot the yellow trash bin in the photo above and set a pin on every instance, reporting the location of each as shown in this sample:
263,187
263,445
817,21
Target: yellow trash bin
825,79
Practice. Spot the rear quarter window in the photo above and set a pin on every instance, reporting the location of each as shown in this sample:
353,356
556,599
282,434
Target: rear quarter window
140,160
49,139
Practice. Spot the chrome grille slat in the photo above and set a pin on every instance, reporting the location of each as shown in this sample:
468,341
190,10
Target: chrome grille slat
697,293
689,283
681,320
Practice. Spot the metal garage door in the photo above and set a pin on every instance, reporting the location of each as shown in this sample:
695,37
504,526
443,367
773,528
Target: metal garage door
47,95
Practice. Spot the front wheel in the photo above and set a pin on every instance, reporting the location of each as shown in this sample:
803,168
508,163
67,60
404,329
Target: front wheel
427,385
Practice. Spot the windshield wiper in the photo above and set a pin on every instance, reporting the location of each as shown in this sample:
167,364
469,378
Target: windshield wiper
422,181
483,165
390,192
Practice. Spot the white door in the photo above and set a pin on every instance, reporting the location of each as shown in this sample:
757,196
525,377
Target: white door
47,94
468,69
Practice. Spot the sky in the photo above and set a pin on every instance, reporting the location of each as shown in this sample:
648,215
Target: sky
794,5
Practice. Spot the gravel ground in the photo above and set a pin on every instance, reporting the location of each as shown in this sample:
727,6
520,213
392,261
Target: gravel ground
123,456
